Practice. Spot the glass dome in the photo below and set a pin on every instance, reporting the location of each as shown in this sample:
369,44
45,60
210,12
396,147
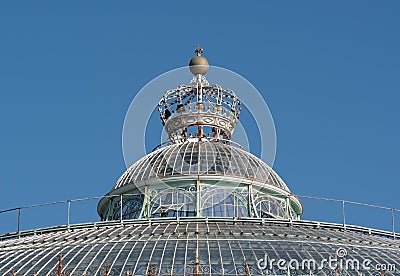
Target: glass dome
200,172
201,157
201,247
200,177
200,206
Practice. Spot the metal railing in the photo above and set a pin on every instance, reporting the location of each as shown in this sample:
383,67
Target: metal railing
343,219
343,203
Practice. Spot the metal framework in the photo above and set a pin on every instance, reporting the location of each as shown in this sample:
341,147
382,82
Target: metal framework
218,246
199,110
199,205
200,172
174,181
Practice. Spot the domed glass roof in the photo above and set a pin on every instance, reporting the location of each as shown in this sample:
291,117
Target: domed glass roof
201,157
200,172
201,247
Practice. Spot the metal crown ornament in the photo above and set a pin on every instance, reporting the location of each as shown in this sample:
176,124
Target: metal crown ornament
199,110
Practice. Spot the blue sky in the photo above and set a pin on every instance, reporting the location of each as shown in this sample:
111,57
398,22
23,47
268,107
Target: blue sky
329,71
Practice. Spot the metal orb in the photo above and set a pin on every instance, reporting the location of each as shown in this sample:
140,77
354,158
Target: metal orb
198,65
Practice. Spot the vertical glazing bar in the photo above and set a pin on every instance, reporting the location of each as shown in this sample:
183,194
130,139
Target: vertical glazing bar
250,211
68,212
19,223
287,207
343,214
148,210
110,212
198,197
120,208
393,230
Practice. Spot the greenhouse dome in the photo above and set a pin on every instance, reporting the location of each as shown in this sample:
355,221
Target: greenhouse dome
200,204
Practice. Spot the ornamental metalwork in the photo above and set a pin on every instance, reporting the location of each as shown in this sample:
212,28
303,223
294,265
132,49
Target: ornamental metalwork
200,205
199,171
224,202
211,200
178,202
199,109
131,207
268,206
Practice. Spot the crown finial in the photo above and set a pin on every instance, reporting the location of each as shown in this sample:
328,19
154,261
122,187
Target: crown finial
198,50
198,65
199,110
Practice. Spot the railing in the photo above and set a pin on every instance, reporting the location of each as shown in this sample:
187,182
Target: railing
345,212
379,217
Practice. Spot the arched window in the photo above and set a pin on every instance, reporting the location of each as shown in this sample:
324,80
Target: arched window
219,202
131,207
270,207
173,203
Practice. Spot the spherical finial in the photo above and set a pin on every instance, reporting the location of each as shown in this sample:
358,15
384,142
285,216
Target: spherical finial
198,64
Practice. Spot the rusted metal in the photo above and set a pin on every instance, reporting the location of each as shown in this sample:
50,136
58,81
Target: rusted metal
59,265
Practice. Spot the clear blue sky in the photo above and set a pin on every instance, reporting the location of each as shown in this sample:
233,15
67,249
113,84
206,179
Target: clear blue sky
329,71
